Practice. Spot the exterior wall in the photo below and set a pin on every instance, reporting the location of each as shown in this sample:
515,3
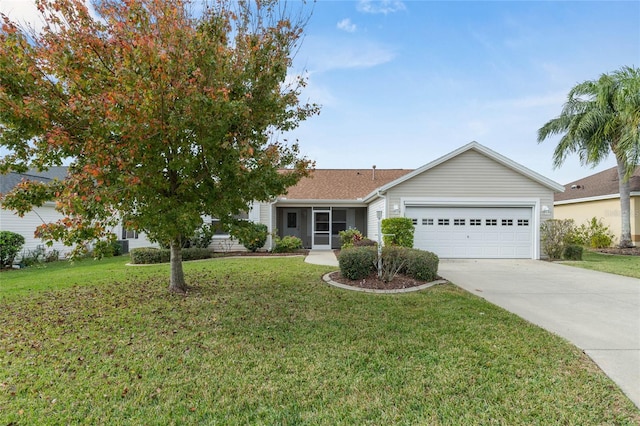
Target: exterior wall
27,225
472,178
606,210
141,241
470,175
372,218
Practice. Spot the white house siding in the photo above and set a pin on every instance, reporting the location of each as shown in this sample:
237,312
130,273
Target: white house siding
470,175
472,178
27,225
372,217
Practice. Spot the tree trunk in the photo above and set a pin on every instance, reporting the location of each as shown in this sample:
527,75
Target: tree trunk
177,283
625,206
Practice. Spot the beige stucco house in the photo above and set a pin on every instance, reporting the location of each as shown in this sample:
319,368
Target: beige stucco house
598,196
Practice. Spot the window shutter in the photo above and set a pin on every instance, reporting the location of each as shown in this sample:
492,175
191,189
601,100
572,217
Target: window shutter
254,212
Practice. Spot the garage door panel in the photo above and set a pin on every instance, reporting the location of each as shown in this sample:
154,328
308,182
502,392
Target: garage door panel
474,232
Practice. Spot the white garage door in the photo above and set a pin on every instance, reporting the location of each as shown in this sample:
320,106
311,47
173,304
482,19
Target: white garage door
474,232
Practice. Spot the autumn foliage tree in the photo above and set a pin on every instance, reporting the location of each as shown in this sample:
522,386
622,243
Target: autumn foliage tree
165,112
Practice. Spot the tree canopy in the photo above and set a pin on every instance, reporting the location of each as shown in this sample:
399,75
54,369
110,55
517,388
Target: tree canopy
602,117
165,114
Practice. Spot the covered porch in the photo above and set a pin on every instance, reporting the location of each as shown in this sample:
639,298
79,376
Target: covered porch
319,226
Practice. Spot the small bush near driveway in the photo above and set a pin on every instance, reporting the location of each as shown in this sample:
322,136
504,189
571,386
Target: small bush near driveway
359,262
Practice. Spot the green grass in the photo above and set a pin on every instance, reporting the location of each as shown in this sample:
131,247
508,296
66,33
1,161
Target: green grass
614,264
265,341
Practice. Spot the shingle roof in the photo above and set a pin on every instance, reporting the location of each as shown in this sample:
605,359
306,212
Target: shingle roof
597,185
10,180
342,184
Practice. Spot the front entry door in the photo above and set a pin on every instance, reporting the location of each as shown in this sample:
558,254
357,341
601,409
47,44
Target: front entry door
321,230
292,222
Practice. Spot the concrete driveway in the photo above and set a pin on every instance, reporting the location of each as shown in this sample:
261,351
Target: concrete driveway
597,312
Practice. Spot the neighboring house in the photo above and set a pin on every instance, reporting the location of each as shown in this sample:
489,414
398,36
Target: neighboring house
26,225
598,196
471,203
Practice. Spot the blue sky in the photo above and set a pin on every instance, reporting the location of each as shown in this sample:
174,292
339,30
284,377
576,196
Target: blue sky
402,83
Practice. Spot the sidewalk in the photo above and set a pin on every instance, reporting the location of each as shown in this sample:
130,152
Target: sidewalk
322,257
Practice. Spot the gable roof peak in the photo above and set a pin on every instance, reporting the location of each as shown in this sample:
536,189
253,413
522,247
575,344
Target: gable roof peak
478,147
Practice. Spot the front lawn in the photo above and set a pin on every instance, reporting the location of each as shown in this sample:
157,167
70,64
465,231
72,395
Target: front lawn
614,264
265,341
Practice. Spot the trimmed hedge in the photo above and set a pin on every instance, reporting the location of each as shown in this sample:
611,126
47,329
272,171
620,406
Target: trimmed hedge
357,263
150,255
421,265
196,253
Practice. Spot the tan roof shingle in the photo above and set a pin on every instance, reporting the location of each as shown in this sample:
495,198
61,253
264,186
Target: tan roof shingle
596,185
342,184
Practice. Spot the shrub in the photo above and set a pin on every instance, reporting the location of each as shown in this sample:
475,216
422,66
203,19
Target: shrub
252,236
365,242
398,231
202,237
421,265
288,244
196,253
33,257
148,255
349,238
600,241
10,245
594,234
555,235
52,256
394,261
357,262
572,252
106,248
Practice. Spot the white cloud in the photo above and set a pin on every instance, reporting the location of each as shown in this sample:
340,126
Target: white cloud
333,54
21,11
347,25
381,6
25,12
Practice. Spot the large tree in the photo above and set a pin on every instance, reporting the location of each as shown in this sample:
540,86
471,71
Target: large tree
602,117
166,112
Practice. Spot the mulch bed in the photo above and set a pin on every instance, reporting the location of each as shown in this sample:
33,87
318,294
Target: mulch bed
632,251
372,282
302,252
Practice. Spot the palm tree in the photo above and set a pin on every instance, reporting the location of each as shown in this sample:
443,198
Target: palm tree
602,117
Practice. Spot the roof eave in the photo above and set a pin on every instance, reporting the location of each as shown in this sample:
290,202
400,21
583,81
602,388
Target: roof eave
593,198
315,201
